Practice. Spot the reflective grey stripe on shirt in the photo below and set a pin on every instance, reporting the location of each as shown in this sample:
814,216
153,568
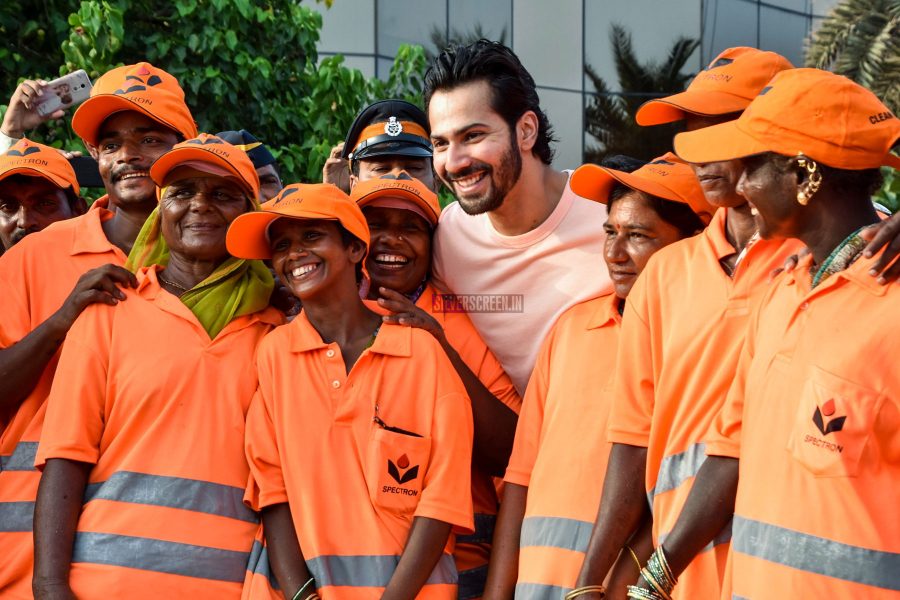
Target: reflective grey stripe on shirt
160,556
173,492
16,516
556,532
676,469
259,563
371,571
815,554
540,591
484,530
22,458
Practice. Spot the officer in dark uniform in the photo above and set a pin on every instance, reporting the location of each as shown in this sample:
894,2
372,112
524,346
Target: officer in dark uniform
269,179
388,136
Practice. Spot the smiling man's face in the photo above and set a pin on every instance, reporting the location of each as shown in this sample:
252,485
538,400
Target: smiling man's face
128,144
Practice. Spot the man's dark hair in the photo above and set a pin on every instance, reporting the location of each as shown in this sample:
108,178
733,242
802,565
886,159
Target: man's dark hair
513,92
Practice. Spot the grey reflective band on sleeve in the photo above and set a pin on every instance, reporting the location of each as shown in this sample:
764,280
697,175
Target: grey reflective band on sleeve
371,571
160,556
173,492
22,458
676,469
556,532
815,554
16,516
540,591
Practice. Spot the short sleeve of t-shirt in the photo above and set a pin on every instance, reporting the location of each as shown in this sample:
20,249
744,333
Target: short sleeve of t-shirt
447,487
632,410
266,485
78,402
14,306
531,421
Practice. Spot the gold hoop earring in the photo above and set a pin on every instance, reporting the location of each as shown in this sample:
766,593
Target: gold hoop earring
814,179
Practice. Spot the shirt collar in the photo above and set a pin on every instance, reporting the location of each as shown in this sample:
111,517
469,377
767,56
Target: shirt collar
606,312
391,340
715,235
857,273
89,237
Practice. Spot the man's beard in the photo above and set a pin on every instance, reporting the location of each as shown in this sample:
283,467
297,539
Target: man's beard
501,182
18,235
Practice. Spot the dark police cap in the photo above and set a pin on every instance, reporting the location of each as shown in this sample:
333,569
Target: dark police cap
255,149
388,127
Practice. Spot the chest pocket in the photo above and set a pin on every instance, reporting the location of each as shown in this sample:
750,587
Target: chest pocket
396,466
834,421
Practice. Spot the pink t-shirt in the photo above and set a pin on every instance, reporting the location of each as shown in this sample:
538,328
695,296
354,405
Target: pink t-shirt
515,287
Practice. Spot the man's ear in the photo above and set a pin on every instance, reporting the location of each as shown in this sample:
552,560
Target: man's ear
79,207
527,131
92,150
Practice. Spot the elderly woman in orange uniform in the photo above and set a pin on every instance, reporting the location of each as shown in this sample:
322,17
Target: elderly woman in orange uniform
559,460
806,449
142,447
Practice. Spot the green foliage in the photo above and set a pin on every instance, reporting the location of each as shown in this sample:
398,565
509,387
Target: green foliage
860,39
248,64
609,117
889,194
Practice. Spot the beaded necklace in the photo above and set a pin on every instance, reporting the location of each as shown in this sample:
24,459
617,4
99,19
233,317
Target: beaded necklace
847,253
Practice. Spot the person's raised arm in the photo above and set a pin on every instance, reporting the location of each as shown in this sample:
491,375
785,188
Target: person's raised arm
623,507
22,363
56,512
503,570
21,113
495,422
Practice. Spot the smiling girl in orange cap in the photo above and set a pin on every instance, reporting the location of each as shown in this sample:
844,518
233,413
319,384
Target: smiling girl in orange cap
359,438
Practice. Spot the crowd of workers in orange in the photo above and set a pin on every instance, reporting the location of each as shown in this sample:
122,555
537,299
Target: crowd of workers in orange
652,380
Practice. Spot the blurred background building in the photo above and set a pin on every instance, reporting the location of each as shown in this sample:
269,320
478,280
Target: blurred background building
556,39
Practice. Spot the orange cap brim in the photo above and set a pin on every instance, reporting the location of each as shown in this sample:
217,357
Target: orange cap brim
724,141
60,182
892,160
174,158
673,108
595,183
248,237
399,192
90,116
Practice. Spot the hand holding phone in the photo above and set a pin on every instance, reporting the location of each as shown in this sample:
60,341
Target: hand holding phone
64,92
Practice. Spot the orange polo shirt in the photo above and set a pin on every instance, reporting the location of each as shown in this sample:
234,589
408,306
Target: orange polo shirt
473,552
814,416
354,483
561,451
685,321
143,395
36,276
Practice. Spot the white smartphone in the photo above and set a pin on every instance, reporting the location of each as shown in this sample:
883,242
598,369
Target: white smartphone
64,92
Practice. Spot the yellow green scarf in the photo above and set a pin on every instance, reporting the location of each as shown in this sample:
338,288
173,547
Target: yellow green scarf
236,287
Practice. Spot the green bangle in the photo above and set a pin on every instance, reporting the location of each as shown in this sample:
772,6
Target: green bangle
299,593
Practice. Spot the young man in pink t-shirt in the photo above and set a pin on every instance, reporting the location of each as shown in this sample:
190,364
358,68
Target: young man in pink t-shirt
519,247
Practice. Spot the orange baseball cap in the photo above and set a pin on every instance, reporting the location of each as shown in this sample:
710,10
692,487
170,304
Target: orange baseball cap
37,160
248,235
819,114
226,160
142,88
730,82
667,177
401,191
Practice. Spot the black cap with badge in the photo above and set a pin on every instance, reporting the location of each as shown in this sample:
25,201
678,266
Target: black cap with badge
388,127
257,152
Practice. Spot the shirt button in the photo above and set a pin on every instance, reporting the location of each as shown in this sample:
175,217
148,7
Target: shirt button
330,353
335,384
